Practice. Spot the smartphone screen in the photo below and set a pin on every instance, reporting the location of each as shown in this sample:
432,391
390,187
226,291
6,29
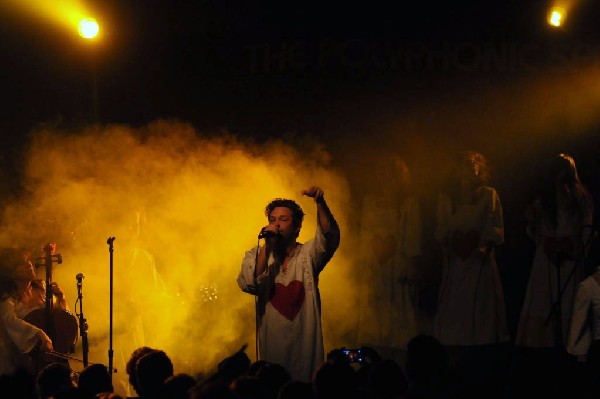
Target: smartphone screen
353,355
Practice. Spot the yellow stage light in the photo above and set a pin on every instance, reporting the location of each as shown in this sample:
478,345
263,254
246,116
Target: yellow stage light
67,13
88,28
557,16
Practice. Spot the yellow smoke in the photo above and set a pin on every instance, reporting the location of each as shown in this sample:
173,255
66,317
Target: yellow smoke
183,208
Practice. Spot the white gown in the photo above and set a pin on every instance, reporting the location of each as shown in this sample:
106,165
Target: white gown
585,325
388,313
536,328
17,337
471,309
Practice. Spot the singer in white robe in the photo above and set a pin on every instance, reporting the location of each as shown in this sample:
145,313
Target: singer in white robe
289,305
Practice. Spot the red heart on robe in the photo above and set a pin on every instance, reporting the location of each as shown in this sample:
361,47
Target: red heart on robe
464,244
559,249
288,299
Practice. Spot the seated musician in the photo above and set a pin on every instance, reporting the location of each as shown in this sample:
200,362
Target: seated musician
20,293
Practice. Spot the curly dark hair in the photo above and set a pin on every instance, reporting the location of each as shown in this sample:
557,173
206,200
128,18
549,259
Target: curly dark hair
131,365
151,371
297,213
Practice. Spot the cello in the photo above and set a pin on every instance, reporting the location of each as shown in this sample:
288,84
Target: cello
59,324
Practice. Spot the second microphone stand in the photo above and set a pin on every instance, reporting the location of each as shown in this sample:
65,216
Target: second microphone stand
83,327
110,242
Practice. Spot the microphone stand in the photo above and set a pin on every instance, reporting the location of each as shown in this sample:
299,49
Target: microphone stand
110,332
82,322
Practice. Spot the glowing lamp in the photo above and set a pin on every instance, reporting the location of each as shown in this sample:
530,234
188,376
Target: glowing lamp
88,28
557,16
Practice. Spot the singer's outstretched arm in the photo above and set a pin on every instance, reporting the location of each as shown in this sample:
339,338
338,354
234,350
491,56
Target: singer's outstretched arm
324,216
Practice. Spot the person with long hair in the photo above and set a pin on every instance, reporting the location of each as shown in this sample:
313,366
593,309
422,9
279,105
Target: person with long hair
20,292
390,244
471,308
558,221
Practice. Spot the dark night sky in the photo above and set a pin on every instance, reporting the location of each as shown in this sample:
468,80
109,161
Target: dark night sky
193,60
218,64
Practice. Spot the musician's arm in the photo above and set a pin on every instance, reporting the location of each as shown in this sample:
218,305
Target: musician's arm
24,335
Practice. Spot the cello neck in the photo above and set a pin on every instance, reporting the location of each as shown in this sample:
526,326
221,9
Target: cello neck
48,253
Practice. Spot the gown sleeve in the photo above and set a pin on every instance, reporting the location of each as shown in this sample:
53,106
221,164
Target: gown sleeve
493,232
580,334
24,335
246,280
322,247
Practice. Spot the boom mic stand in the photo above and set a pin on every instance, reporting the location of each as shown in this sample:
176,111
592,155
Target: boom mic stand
82,321
110,333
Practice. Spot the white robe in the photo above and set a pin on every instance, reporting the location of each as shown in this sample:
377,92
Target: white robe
536,329
471,308
289,307
585,325
388,315
17,337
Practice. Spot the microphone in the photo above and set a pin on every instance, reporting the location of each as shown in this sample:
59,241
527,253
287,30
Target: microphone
79,278
267,233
